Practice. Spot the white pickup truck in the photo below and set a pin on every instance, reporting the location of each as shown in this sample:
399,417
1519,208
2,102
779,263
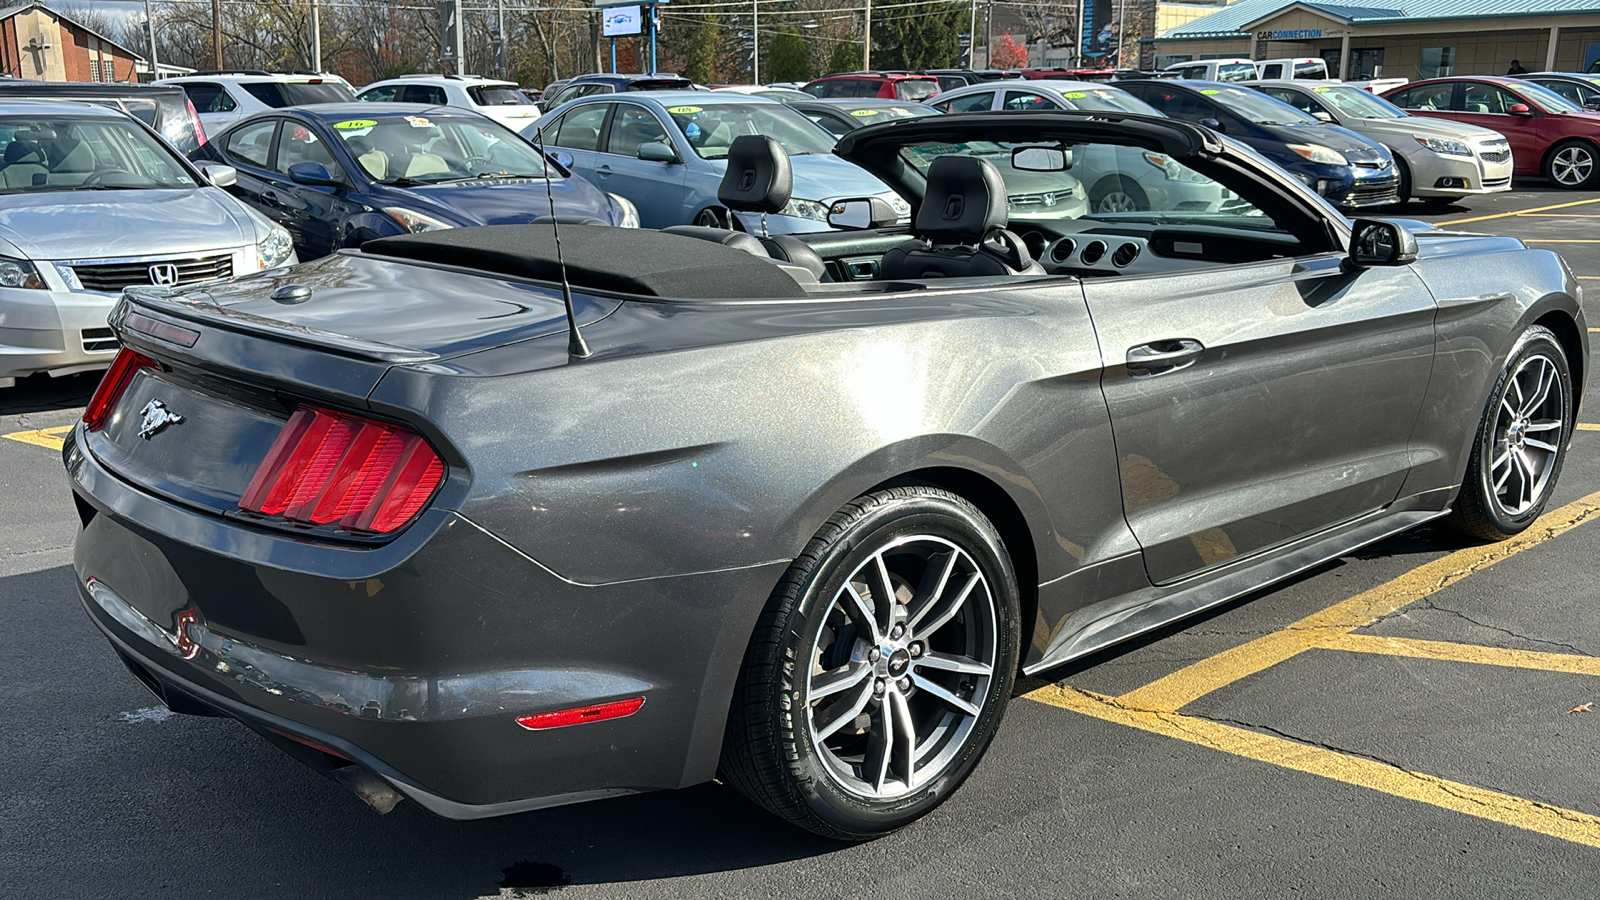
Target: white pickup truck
1313,68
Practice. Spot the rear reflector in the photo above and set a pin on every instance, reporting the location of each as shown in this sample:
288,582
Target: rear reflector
618,709
183,337
116,381
334,468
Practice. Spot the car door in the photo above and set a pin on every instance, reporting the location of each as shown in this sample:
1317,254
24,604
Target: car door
311,213
1257,403
977,101
656,188
248,148
1485,105
578,133
1027,100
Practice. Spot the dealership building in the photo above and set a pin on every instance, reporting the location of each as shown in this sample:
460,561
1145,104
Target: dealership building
1409,39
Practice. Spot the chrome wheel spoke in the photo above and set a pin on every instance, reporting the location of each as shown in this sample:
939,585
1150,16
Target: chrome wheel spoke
882,746
863,694
842,679
860,612
886,586
938,690
1544,425
906,732
948,607
931,589
948,663
1541,389
1548,448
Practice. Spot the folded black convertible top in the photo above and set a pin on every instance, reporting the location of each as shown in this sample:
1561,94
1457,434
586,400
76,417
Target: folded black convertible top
598,257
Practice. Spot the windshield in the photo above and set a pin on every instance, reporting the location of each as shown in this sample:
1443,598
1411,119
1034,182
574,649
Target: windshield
872,115
1358,103
415,150
68,154
1151,187
1549,100
1236,72
278,94
1258,107
497,95
710,129
1314,70
1109,99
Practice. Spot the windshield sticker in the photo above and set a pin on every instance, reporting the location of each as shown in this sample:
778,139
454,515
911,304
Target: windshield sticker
1075,95
1322,90
685,110
419,122
1209,91
863,113
355,123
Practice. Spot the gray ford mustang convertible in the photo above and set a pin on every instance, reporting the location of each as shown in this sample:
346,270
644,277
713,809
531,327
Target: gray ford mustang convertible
795,510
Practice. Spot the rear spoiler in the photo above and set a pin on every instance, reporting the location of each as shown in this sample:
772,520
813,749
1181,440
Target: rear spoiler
198,306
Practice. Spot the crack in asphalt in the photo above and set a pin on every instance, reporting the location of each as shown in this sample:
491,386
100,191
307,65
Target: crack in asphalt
1428,604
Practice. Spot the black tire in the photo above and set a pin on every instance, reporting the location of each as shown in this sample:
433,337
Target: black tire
775,751
1403,172
1481,510
1574,165
1129,196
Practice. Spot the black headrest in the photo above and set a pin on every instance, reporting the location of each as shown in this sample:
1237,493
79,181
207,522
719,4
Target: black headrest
966,198
20,151
758,177
738,240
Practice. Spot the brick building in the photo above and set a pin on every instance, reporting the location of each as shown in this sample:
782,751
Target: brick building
42,44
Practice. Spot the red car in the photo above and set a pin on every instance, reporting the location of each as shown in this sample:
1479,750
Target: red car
1549,134
901,86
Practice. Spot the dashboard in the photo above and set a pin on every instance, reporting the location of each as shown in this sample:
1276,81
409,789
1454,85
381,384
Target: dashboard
1102,249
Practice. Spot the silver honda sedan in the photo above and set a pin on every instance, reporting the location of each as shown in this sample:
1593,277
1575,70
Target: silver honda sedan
91,202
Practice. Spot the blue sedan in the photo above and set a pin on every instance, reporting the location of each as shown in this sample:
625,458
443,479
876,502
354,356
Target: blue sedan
666,151
338,175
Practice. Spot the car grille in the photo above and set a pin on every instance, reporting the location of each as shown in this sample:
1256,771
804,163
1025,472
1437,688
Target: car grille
98,340
111,278
1495,156
1372,194
1041,200
1495,182
1371,163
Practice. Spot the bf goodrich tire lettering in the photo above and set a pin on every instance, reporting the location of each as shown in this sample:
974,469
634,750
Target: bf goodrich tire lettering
880,668
1521,441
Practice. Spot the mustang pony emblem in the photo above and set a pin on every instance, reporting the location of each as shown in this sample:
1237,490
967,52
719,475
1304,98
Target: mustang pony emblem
155,417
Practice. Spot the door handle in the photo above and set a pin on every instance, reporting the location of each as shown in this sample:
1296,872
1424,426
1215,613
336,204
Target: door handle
603,171
270,198
1158,357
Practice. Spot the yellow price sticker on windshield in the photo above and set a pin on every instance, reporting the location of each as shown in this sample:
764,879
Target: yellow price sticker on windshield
1322,90
1075,95
356,123
863,113
685,110
1210,91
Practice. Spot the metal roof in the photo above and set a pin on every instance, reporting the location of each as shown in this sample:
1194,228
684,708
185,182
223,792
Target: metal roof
1232,20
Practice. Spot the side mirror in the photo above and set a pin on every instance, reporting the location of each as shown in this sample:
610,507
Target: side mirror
562,158
1214,125
1323,115
858,215
220,176
1041,159
1374,242
657,151
314,174
1519,109
1593,104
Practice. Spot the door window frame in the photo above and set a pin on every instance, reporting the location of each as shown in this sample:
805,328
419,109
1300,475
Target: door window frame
272,146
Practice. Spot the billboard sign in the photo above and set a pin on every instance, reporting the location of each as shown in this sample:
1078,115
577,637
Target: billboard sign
620,21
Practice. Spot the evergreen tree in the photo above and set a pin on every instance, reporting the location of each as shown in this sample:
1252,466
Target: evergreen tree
846,57
786,59
918,37
701,55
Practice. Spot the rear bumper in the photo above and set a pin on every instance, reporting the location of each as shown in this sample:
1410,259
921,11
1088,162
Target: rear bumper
415,658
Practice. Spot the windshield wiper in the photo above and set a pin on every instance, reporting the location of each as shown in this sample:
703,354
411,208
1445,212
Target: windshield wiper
405,182
485,176
108,187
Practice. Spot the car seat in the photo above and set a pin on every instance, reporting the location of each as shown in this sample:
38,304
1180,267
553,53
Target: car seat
961,227
24,165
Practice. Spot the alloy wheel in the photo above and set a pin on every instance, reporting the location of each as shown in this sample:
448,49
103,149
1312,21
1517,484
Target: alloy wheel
901,666
1572,165
1116,202
1527,435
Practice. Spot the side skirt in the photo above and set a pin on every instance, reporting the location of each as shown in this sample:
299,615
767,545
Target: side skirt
1118,619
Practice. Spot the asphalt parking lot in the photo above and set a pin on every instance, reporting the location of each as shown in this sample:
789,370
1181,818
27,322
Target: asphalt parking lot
1421,719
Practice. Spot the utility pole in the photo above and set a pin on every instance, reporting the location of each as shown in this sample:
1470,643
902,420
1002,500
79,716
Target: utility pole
216,32
1122,33
972,38
755,41
866,40
461,40
988,37
150,23
500,41
316,35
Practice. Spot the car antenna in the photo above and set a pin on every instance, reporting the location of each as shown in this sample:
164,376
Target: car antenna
575,345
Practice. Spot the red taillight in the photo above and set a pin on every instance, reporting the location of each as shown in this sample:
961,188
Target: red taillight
116,381
335,468
615,710
199,129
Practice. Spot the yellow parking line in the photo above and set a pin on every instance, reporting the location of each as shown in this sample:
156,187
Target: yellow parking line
1195,681
1519,212
1569,663
1562,215
1494,806
1588,426
43,437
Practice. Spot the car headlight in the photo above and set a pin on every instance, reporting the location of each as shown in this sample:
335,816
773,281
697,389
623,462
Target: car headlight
1320,154
1444,145
805,209
627,213
413,221
19,273
1172,171
274,249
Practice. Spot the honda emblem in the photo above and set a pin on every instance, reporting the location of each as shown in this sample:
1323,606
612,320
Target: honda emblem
164,274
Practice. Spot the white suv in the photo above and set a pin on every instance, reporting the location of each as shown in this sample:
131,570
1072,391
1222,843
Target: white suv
501,101
222,98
